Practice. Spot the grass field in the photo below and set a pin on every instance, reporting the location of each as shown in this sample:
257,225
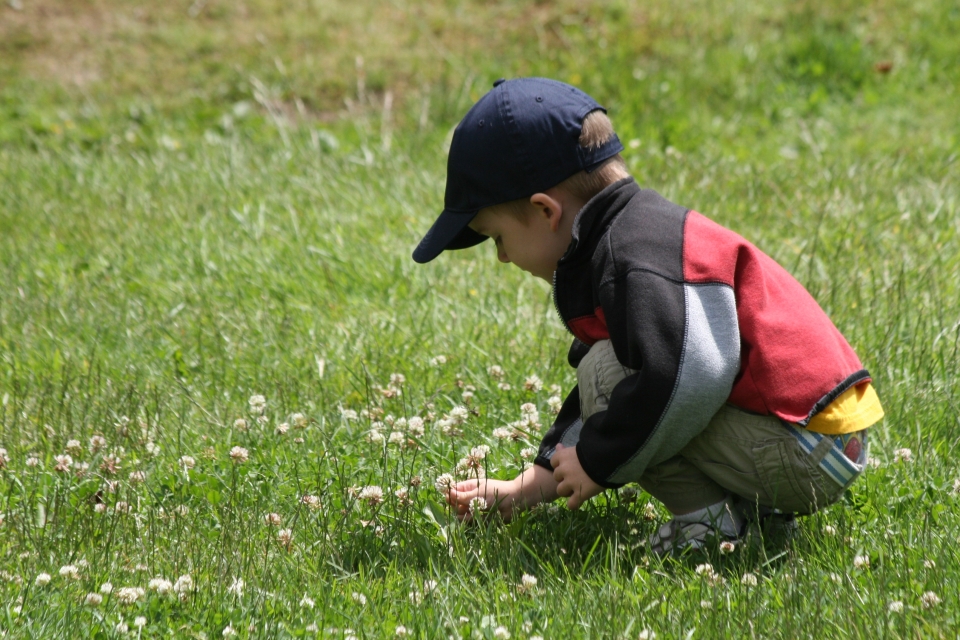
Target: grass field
206,201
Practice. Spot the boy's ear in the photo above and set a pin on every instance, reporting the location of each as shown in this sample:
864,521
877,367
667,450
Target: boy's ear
548,207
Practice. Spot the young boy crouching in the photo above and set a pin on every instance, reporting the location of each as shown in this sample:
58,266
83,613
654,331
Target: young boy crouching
706,373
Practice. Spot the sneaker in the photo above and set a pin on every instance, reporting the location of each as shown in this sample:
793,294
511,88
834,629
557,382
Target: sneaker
691,531
770,523
676,537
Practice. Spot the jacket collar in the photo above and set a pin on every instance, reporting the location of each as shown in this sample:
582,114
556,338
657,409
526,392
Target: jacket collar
595,216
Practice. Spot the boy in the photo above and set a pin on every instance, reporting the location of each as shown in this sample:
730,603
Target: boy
706,373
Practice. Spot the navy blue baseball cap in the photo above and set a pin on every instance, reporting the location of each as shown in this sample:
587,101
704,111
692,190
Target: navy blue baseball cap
522,137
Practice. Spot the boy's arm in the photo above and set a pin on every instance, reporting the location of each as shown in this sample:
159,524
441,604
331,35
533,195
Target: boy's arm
684,342
533,486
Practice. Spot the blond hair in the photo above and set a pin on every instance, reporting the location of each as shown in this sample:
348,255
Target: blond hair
594,132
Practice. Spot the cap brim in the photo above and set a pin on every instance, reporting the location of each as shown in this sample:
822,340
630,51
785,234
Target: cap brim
450,231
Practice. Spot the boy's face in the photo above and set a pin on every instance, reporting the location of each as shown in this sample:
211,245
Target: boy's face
538,241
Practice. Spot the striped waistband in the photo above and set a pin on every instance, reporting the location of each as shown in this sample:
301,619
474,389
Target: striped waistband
844,461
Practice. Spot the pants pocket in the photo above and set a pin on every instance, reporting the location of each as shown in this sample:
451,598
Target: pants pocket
791,481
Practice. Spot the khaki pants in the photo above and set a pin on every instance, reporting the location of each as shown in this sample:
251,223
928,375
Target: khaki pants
754,457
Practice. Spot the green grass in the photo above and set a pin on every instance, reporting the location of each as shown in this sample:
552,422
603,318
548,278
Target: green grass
176,237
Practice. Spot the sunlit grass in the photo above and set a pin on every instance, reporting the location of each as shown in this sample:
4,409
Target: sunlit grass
162,265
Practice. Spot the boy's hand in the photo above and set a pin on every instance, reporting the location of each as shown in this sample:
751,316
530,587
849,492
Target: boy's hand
533,486
573,481
501,494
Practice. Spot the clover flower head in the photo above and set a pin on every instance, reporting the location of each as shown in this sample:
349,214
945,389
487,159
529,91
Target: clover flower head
258,404
372,495
444,483
477,505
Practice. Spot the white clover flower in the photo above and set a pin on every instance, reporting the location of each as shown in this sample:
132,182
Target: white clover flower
153,449
348,414
930,599
397,379
237,587
129,595
70,571
727,547
359,598
459,415
32,461
861,562
533,383
646,634
375,437
372,495
307,602
830,530
139,622
400,631
313,502
93,599
903,455
444,483
438,361
73,448
111,463
502,433
282,429
396,438
706,604
239,455
467,397
42,579
527,583
106,588
477,505
554,403
121,507
160,585
480,451
64,462
183,585
415,426
137,477
258,404
187,462
312,628
229,631
705,569
501,633
956,487
97,443
749,580
496,372
528,453
895,607
273,519
285,537
403,497
121,628
299,421
240,424
504,386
